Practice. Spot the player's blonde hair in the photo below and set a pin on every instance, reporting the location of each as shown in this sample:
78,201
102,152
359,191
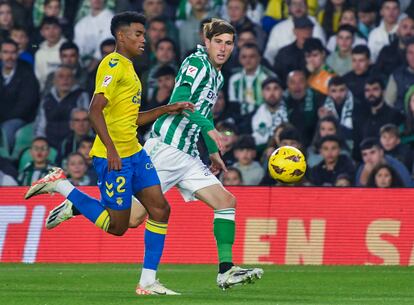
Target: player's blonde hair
217,27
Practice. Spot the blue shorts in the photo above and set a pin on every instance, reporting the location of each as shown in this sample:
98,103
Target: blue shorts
117,187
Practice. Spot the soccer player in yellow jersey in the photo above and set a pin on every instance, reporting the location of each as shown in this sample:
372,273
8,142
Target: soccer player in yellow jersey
123,167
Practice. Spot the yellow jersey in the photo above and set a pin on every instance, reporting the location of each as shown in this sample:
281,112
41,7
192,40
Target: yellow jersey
117,81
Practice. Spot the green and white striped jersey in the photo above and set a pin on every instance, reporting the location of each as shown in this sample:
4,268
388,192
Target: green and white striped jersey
205,81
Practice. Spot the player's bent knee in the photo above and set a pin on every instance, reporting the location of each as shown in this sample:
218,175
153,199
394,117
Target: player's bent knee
232,201
136,222
228,201
160,213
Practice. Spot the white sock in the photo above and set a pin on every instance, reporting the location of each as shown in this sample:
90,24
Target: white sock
64,187
147,277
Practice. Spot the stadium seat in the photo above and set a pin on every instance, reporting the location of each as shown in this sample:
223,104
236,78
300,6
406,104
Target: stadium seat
26,157
24,137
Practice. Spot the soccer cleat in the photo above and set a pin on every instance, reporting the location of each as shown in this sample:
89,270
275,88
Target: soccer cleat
155,289
237,276
47,184
59,214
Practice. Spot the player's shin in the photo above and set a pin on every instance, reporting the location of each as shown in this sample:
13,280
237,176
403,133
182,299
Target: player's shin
90,208
154,239
224,232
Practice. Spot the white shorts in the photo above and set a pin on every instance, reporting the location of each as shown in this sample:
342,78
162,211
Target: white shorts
176,168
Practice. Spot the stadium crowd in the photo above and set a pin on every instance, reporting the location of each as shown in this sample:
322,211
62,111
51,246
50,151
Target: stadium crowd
334,78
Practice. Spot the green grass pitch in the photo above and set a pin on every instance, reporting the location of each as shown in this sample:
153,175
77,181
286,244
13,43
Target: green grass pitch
90,284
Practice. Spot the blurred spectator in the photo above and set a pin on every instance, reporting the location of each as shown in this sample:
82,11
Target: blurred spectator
384,34
245,153
330,15
237,11
79,128
320,72
165,84
229,136
333,164
47,56
84,8
53,118
91,30
255,10
223,110
291,57
302,104
380,113
6,20
274,142
189,28
392,56
270,114
7,180
367,16
401,80
290,136
372,156
166,55
341,60
159,8
85,146
326,126
361,70
69,56
20,36
348,17
408,126
343,180
282,34
341,104
107,47
19,91
165,77
245,86
76,169
39,167
245,36
384,176
391,143
232,177
156,30
49,8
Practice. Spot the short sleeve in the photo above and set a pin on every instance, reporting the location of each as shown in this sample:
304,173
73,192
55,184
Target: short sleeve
191,70
106,78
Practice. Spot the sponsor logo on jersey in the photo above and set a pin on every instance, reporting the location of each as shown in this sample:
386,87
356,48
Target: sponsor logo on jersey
107,80
191,71
137,98
211,96
113,62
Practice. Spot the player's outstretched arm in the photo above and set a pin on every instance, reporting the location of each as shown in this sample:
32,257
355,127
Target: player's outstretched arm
146,117
97,119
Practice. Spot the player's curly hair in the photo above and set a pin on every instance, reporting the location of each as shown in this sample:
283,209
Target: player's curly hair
218,27
125,19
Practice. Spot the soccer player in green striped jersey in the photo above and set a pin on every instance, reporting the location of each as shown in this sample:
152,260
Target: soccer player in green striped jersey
173,146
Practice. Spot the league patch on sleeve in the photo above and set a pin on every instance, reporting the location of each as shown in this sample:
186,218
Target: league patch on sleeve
191,71
107,80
